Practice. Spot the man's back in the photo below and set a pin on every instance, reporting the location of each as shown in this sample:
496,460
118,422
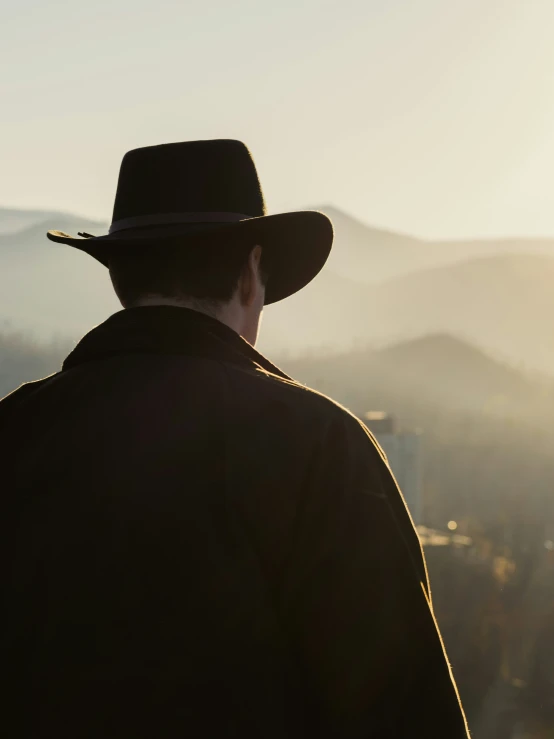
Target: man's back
195,544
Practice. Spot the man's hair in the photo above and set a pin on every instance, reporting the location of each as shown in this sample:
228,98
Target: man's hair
208,273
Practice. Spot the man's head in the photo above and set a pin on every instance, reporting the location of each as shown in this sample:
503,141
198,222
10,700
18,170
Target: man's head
226,281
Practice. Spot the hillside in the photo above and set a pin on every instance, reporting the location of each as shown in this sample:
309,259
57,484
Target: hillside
487,428
501,303
13,220
23,359
438,370
372,255
368,254
16,220
49,289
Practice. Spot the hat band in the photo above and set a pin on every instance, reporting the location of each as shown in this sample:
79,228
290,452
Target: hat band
162,219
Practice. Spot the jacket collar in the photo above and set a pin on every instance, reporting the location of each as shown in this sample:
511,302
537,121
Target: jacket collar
163,329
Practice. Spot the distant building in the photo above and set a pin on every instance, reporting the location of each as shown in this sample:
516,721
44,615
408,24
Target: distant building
404,452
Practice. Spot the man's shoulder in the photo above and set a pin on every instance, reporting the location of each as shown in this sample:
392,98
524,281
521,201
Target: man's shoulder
304,404
15,397
287,390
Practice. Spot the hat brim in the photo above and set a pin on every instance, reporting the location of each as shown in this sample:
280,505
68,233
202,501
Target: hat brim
297,244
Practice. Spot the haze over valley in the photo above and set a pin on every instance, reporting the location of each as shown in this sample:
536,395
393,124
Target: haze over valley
378,288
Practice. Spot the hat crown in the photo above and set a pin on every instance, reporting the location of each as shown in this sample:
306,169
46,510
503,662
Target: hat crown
216,176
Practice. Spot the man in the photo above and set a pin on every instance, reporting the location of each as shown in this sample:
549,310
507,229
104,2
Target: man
196,545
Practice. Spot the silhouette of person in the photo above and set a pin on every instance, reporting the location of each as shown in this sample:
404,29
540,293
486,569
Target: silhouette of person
194,543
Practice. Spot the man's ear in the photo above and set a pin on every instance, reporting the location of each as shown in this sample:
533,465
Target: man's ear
250,277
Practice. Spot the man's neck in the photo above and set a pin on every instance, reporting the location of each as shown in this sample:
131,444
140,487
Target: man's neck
219,312
191,303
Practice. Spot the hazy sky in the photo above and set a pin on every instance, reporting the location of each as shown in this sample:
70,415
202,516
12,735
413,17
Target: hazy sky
434,117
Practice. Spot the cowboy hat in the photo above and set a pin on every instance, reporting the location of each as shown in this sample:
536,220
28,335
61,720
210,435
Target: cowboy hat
200,192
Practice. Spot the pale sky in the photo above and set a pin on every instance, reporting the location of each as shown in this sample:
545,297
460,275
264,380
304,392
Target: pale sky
433,117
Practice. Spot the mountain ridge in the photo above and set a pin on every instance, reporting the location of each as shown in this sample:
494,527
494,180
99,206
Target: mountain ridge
440,369
374,254
501,301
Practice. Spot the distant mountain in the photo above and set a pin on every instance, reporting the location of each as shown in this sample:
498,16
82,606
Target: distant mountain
433,372
51,289
487,428
14,220
361,252
438,370
24,360
367,254
503,303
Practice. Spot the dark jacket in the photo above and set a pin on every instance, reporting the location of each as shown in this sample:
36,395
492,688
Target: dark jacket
195,545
